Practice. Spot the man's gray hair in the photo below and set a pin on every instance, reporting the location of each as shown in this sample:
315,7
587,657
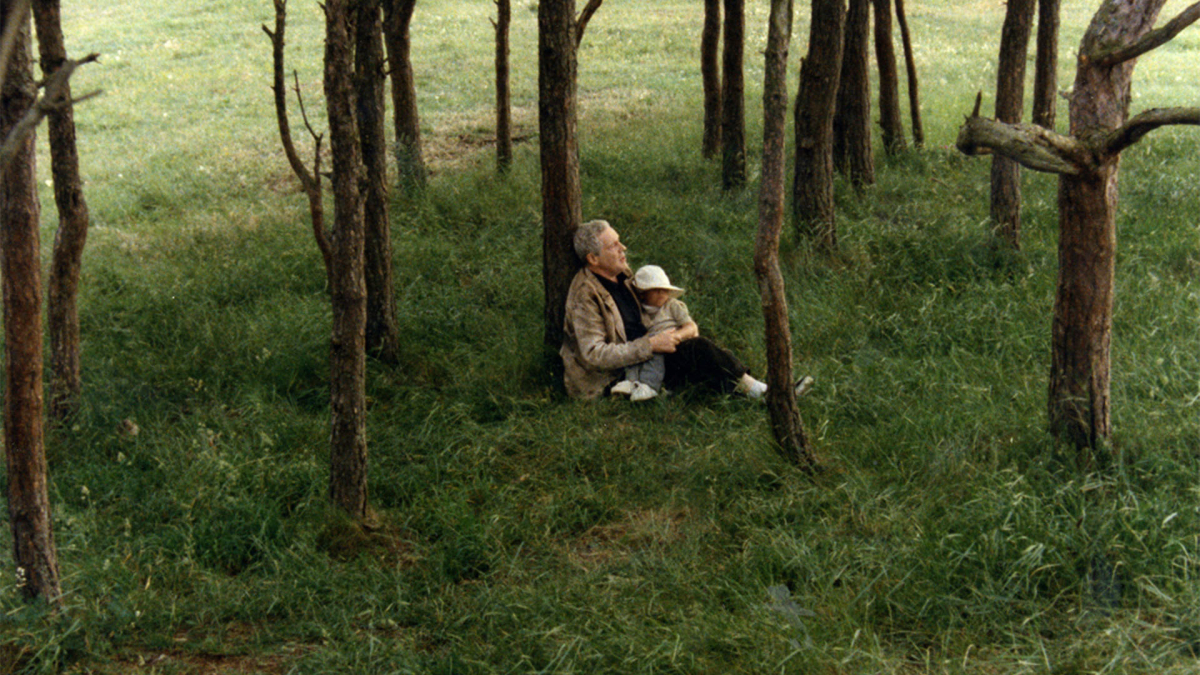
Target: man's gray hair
587,238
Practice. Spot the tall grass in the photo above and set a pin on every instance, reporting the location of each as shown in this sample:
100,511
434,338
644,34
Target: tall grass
525,533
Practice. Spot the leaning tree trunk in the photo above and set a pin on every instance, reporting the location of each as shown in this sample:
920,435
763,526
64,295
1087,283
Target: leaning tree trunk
1010,102
20,274
69,240
812,189
1045,78
910,67
561,198
733,108
786,426
410,162
383,335
348,296
889,81
710,74
503,99
852,152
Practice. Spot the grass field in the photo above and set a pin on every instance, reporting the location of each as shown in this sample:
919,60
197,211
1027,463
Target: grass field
524,533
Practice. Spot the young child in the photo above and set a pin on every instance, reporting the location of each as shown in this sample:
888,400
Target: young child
661,310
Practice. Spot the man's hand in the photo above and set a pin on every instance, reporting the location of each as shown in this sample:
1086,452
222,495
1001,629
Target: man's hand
664,342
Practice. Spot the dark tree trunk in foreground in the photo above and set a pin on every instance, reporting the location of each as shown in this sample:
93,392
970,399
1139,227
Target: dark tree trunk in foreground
410,162
347,354
1045,78
710,74
503,99
69,240
20,274
889,81
1010,102
910,67
786,426
852,152
733,107
561,200
812,190
1087,163
383,335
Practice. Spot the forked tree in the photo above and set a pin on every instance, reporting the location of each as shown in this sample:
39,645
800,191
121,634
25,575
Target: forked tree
1086,163
786,426
1005,198
733,93
853,155
1045,76
710,76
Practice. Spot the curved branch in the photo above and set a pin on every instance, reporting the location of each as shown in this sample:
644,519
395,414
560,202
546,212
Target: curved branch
55,97
1029,145
584,17
1143,123
1152,40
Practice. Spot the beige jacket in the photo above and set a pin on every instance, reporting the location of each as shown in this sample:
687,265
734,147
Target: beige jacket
594,349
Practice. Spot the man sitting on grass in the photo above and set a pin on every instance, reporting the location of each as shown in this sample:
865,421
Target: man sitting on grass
604,333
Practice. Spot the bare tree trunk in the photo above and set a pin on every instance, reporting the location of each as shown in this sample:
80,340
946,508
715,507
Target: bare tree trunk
503,101
733,109
410,161
382,333
812,190
889,81
910,66
852,152
561,199
1010,102
786,426
69,240
710,73
1045,78
347,354
20,271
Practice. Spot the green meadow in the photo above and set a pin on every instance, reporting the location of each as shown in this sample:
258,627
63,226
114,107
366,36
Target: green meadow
522,532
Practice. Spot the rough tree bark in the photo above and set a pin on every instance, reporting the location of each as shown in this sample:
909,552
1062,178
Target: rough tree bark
561,199
910,67
889,81
852,152
733,105
1045,78
69,240
710,74
347,354
410,161
786,426
1087,162
503,98
383,334
812,189
1010,102
20,275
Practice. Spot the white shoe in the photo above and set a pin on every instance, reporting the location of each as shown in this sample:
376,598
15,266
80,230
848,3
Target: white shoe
624,387
642,392
803,385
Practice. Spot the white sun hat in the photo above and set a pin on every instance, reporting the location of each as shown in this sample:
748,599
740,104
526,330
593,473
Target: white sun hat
651,277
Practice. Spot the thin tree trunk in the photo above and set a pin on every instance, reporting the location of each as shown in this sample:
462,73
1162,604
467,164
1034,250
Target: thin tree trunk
410,161
852,152
382,333
561,198
812,190
733,109
69,240
1045,78
889,81
503,100
910,66
786,426
1010,102
347,354
710,73
20,271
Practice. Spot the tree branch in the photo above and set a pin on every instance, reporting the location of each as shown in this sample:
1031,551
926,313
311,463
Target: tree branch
1029,145
1143,123
584,17
54,98
1152,40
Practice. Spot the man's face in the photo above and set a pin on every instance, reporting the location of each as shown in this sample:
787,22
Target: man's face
611,260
